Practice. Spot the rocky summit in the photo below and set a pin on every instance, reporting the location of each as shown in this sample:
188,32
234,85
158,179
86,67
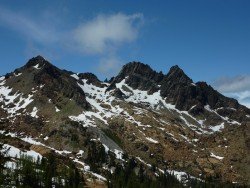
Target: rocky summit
141,128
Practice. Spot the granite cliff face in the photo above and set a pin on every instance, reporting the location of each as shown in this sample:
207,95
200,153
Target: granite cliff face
162,120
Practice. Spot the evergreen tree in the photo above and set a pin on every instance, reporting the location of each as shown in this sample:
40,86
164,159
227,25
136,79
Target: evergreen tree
29,177
39,173
3,159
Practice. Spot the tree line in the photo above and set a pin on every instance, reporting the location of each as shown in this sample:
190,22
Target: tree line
41,172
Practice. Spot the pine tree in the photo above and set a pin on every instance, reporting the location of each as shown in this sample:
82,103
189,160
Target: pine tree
49,169
28,172
3,159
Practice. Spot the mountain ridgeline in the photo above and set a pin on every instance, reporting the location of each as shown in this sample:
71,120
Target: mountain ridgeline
162,129
178,89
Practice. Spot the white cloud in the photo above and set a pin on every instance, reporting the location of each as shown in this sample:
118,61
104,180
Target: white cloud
234,84
237,87
243,97
46,34
104,35
106,32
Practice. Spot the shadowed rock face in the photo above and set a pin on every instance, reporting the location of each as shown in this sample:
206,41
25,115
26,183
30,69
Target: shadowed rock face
138,76
91,78
37,60
55,81
178,89
118,93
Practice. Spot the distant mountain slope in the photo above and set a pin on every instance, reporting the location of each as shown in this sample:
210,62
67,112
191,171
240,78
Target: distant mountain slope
159,120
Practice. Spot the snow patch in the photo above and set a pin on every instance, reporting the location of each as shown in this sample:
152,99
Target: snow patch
75,76
208,108
106,148
80,153
149,165
217,128
57,109
37,66
10,165
84,119
32,141
118,154
152,140
15,152
216,156
2,78
34,112
17,100
18,74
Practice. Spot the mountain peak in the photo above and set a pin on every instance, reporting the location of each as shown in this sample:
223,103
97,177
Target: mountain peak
138,76
178,75
136,67
37,61
175,68
39,57
139,69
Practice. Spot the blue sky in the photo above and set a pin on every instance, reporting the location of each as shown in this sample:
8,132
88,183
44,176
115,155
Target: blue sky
209,39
